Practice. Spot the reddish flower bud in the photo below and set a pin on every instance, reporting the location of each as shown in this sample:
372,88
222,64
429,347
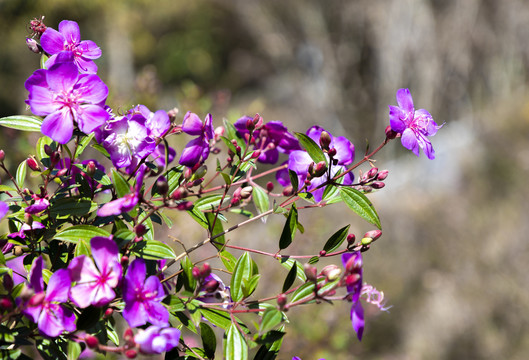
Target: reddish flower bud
2,156
351,239
162,185
352,279
62,172
250,125
319,169
188,173
37,299
185,205
124,260
287,191
390,134
8,282
281,300
256,154
128,335
6,303
196,272
206,270
311,272
48,150
211,286
332,152
372,172
32,164
179,194
269,186
378,185
91,341
91,168
108,313
258,121
140,229
323,252
131,354
373,234
173,113
382,175
307,182
325,140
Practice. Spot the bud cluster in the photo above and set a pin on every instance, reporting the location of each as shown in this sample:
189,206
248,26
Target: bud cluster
373,179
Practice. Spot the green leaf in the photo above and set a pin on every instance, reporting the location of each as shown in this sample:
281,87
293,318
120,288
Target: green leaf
21,173
336,239
294,181
41,142
313,149
7,188
241,273
228,260
229,144
210,202
190,282
249,286
217,317
304,292
112,333
313,260
361,205
153,250
199,217
74,350
271,318
209,341
102,150
83,144
235,347
260,198
289,230
82,248
43,59
232,133
269,352
289,263
122,186
78,233
72,206
22,122
217,229
291,277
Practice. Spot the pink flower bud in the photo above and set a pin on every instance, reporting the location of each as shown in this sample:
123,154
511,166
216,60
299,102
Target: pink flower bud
6,303
352,279
323,252
188,173
91,341
206,270
269,186
131,354
185,205
128,335
382,175
91,168
310,272
32,164
196,272
378,185
281,300
288,190
179,194
219,131
332,152
258,121
331,272
250,125
108,313
2,156
372,172
211,286
373,234
351,239
325,140
124,260
62,172
319,169
256,154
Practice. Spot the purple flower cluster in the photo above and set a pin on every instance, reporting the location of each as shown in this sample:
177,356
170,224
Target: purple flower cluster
299,162
197,150
413,125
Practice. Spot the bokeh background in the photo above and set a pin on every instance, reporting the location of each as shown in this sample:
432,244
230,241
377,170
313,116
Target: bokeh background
453,260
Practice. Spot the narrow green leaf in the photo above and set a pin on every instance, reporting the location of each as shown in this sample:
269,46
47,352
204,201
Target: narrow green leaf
21,174
242,272
235,347
260,198
209,341
289,230
361,205
122,186
83,144
304,292
102,150
7,188
313,149
153,250
313,260
217,317
270,351
232,133
79,233
229,144
270,319
294,181
41,142
227,178
289,263
210,202
336,239
217,229
190,282
291,277
112,333
22,122
72,206
228,260
199,217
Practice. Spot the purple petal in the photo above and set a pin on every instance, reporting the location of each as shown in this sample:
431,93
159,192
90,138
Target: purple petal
159,155
62,77
192,124
35,275
90,117
157,313
4,208
70,30
59,286
52,41
136,274
153,286
55,319
85,66
33,312
106,255
91,89
38,78
315,132
42,101
118,206
299,162
357,319
58,126
86,275
89,49
345,150
282,177
158,123
208,127
19,271
269,156
192,152
135,313
396,116
405,100
409,141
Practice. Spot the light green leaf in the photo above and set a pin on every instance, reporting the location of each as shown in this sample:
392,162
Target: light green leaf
22,122
80,233
235,347
260,198
361,205
313,149
153,250
271,318
122,186
21,173
241,273
83,144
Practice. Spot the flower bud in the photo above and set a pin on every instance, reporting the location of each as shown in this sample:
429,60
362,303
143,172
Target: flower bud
91,168
206,270
91,341
378,185
287,191
332,152
131,354
351,239
196,272
184,205
179,194
211,286
6,303
325,140
256,154
331,272
140,229
128,335
201,171
62,172
32,164
33,46
8,282
124,260
2,156
352,279
373,234
48,150
382,175
55,157
188,172
162,185
281,300
372,172
250,125
310,272
258,121
323,252
319,169
108,313
246,192
37,299
219,131
366,241
269,186
390,134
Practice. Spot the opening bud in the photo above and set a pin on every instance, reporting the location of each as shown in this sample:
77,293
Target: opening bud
331,272
33,46
91,341
311,272
91,168
188,173
373,234
319,169
390,134
246,192
258,121
325,140
32,164
372,172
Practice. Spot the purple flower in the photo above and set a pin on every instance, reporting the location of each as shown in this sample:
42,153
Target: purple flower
44,308
159,155
299,162
4,208
68,39
157,123
156,340
24,228
272,138
94,285
38,206
127,202
213,290
16,264
127,141
352,263
197,150
143,296
414,125
63,96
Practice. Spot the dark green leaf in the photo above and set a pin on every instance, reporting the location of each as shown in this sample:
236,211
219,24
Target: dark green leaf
313,260
313,149
153,250
83,144
199,217
122,186
336,239
217,317
289,230
72,206
217,229
361,205
294,181
289,263
291,277
269,351
209,341
22,122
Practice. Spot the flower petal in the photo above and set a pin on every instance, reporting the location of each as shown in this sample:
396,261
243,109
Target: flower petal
59,286
409,141
89,49
58,126
396,116
192,124
62,77
52,41
70,30
405,100
357,319
90,117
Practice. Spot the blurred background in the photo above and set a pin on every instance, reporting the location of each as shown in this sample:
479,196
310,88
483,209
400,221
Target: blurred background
453,259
